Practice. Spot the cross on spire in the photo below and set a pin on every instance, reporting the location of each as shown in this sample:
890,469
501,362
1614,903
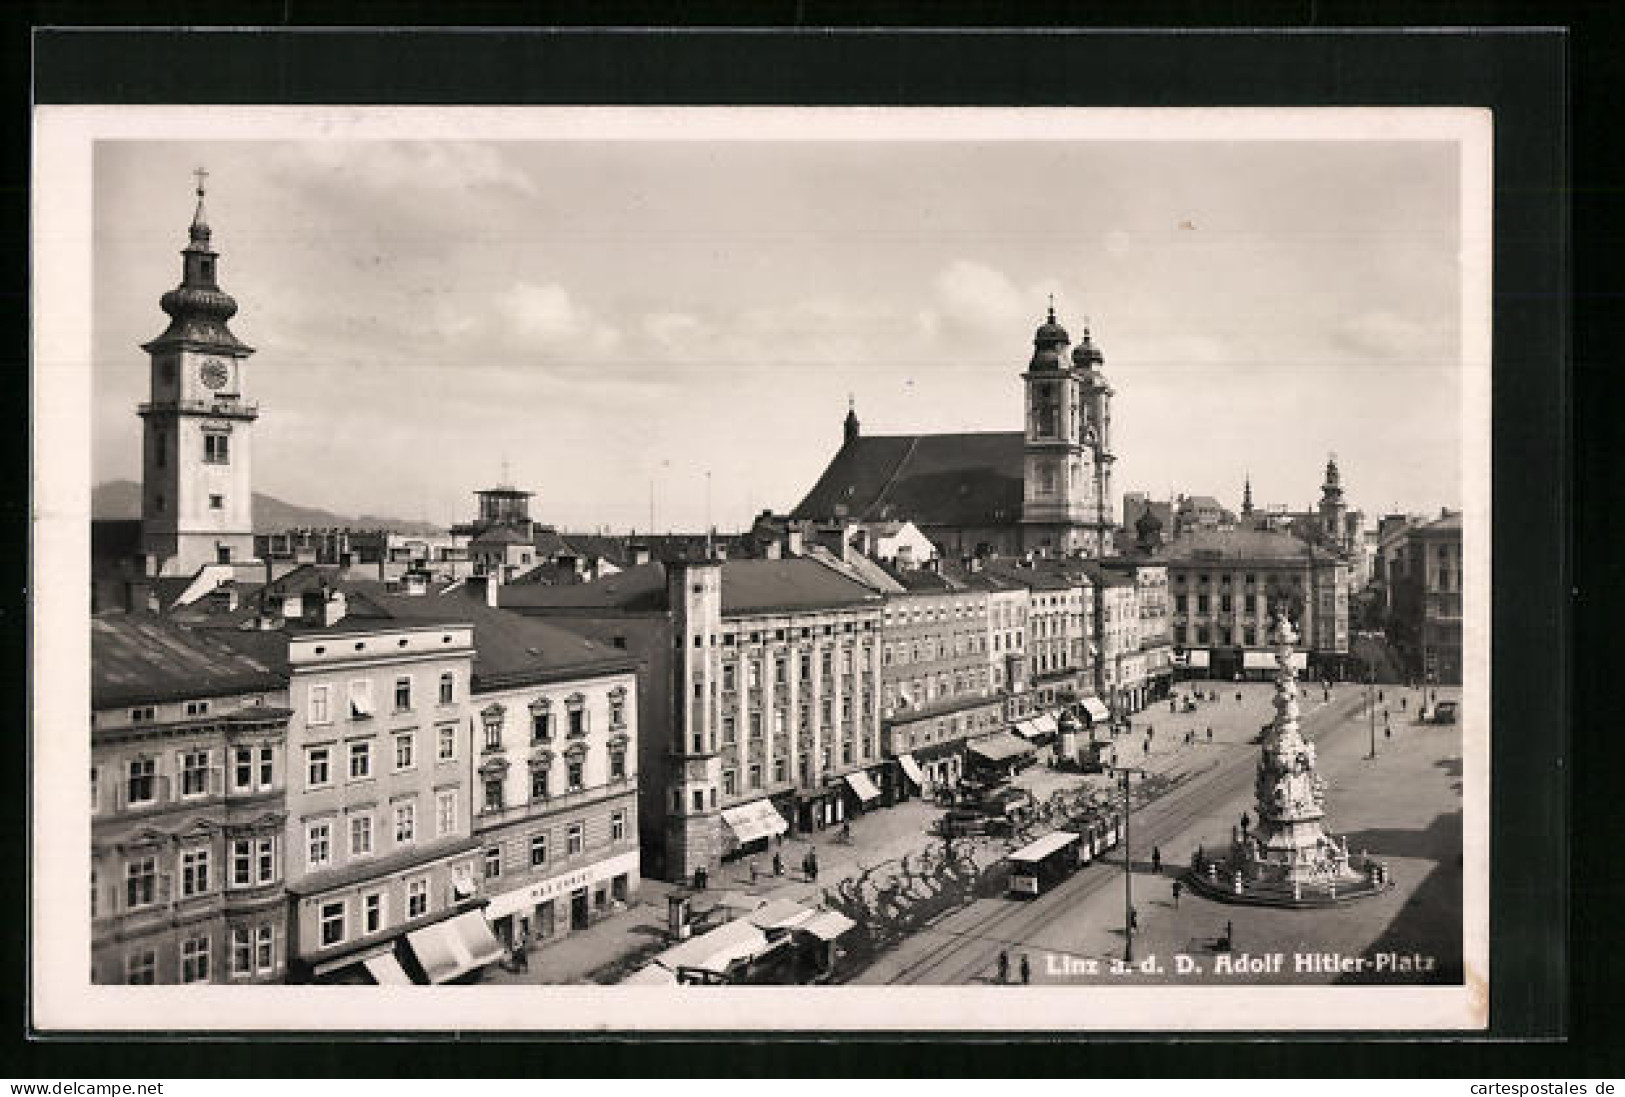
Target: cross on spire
201,174
1052,308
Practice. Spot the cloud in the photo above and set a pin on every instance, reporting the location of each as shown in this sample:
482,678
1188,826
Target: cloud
547,318
1387,334
392,167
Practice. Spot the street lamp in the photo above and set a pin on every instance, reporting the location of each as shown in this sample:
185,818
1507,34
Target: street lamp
1371,705
1128,869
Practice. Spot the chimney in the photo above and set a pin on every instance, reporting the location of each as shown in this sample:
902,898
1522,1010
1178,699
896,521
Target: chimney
333,608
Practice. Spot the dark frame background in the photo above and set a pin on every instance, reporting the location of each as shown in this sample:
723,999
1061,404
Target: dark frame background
1521,75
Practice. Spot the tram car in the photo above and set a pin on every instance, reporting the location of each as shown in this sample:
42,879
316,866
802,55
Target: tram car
1041,864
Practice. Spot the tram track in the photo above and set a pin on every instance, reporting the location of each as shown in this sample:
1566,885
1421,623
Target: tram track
971,934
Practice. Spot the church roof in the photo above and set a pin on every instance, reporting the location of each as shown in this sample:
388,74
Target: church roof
929,479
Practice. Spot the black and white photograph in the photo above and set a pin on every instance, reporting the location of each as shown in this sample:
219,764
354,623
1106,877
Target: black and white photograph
750,569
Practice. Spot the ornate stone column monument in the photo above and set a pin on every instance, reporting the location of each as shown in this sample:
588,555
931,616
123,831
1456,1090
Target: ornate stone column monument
1290,847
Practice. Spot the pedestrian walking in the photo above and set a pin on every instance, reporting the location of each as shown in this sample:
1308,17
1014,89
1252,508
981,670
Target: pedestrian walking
778,864
753,871
812,865
1177,889
1134,919
1004,966
1026,970
1238,696
1246,822
1156,858
1402,703
1210,734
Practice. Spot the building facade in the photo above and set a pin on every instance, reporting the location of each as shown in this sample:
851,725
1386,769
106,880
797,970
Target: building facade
775,705
187,802
379,811
1422,573
937,687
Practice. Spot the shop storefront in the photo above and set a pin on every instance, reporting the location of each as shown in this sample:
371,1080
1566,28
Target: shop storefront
819,808
453,949
910,778
862,794
1098,716
560,904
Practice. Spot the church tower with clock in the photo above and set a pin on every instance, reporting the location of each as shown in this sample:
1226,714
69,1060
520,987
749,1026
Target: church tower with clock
197,493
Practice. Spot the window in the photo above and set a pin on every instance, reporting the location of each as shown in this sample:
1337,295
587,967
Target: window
360,835
143,780
728,677
755,775
447,749
318,768
267,767
448,688
576,839
216,449
493,863
194,773
445,812
617,765
575,771
217,502
332,923
265,947
699,800
141,882
195,960
617,709
491,720
417,898
242,951
541,721
242,770
361,760
197,708
778,770
578,721
538,783
405,823
405,751
141,968
755,725
318,845
403,694
493,794
372,912
729,732
361,699
730,783
617,826
319,711
538,850
194,871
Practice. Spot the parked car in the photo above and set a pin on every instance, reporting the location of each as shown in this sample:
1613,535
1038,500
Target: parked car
1445,712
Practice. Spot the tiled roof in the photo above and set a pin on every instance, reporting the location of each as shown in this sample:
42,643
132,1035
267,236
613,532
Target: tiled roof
638,589
611,548
508,647
1235,544
499,535
750,586
930,479
139,658
548,542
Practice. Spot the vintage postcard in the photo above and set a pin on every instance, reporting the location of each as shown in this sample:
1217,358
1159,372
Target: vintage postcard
761,569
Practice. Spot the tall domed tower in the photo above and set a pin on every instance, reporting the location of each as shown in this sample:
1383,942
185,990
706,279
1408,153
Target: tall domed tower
197,496
1333,509
1059,485
1095,440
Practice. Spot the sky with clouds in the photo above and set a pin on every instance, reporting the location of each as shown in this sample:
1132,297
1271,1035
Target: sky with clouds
604,316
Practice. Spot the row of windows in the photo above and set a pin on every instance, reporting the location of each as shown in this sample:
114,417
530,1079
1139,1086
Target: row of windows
914,615
320,710
806,632
252,862
372,912
933,648
755,772
575,842
362,830
1249,577
541,780
359,761
252,769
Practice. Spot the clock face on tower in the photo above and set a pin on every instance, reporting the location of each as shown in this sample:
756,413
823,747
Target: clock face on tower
213,373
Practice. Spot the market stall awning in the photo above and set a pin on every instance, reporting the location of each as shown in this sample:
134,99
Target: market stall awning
1096,710
778,914
1198,659
714,951
1027,729
1045,724
912,768
757,819
862,787
652,976
826,925
1257,660
455,947
386,971
1001,747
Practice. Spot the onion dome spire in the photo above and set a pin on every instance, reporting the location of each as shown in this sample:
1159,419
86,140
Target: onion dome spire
198,308
1086,356
1247,496
1048,342
850,427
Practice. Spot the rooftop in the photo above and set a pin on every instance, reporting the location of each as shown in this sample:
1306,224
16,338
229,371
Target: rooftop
1235,544
930,479
140,658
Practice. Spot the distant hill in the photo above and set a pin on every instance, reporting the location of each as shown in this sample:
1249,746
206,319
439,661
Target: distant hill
122,499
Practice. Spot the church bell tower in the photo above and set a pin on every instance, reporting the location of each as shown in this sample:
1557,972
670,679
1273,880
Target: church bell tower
1057,470
196,483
